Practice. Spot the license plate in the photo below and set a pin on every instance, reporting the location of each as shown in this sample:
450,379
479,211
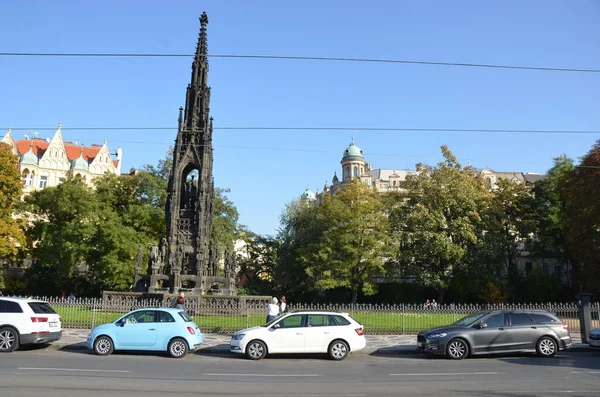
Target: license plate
595,343
53,325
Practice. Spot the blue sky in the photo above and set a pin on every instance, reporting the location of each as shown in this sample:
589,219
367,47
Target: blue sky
266,169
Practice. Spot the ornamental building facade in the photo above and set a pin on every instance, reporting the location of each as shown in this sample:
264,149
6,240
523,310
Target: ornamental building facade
51,161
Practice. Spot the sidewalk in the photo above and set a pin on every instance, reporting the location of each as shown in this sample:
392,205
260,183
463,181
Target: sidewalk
219,343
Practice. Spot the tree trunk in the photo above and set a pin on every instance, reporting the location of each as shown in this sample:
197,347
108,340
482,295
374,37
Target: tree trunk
354,295
441,294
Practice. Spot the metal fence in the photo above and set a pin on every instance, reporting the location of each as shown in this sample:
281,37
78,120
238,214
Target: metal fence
230,315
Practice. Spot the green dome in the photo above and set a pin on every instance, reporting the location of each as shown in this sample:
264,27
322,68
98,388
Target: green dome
308,195
353,151
29,158
80,164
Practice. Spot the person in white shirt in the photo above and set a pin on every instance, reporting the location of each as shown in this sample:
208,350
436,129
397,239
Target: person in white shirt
272,310
283,304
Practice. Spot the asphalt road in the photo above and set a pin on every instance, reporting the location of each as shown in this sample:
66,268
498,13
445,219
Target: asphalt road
49,373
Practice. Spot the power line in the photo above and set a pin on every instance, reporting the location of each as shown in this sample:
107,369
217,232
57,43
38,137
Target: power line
306,58
318,151
380,129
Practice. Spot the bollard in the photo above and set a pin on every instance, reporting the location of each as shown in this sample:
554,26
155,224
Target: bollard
585,317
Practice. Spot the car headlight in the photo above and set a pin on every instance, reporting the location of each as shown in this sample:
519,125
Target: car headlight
437,336
238,337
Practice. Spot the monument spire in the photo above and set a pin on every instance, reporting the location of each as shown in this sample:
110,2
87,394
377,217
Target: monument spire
189,210
198,93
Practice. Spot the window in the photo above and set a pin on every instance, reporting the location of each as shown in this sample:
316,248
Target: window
295,321
542,318
164,317
318,320
466,321
520,319
497,320
27,179
184,316
41,307
348,171
340,320
146,316
10,307
355,171
43,181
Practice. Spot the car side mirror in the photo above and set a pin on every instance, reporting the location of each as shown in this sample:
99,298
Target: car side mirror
276,326
482,326
121,323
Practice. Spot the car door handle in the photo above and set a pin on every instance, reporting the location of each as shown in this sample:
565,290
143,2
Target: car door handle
534,327
327,333
501,329
151,329
300,333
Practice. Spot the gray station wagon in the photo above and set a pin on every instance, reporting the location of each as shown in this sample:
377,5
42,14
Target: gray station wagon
498,331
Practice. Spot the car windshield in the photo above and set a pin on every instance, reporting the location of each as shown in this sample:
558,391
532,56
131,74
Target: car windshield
466,321
267,325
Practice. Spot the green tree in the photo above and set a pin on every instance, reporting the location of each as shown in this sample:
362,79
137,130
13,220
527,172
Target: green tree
438,220
11,234
225,228
582,227
505,233
71,226
258,264
138,199
299,227
354,242
548,202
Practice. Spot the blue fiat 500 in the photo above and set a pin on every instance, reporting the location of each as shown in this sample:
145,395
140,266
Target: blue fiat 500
152,329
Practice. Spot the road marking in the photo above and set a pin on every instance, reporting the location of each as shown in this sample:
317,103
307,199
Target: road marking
73,370
450,374
265,375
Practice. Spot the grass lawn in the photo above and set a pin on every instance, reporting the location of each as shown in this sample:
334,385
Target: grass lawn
374,322
382,323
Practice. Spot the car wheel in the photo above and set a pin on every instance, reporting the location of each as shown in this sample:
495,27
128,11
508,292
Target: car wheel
338,350
546,347
103,346
457,349
256,350
9,339
178,348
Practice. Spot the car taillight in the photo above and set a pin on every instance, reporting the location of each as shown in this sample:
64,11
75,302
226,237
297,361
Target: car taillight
565,326
191,330
39,319
359,331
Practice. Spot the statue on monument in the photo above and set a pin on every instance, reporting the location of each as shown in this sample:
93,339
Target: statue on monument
162,255
154,257
139,259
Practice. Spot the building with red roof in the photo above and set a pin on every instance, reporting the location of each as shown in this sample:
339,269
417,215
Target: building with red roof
48,162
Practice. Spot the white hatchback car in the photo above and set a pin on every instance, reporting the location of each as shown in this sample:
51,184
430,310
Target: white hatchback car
302,332
27,321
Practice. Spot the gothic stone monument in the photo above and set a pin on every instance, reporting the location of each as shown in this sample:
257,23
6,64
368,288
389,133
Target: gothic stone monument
192,265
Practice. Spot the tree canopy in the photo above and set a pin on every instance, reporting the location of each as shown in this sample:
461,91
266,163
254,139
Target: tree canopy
437,221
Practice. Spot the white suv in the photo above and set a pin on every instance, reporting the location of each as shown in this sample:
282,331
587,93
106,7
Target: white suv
302,332
27,321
